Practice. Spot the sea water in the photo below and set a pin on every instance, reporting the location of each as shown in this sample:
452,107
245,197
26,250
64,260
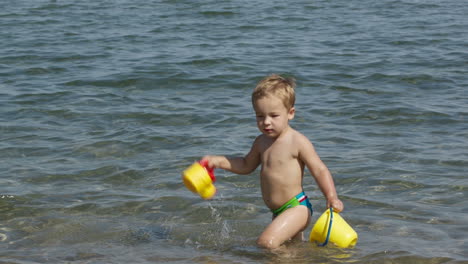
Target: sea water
104,103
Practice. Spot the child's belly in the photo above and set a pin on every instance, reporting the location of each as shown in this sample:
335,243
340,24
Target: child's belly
278,192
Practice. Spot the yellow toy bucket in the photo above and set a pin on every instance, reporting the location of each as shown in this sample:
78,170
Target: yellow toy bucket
331,227
198,178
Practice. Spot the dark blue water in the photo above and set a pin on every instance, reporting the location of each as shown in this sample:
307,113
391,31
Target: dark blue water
104,103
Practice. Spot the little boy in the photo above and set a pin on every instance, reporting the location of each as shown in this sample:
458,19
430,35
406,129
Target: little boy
283,152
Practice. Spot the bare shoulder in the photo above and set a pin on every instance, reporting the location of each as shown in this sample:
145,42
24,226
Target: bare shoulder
258,142
259,139
303,144
300,138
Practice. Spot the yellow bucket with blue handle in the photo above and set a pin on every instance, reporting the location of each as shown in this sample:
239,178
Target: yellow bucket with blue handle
331,227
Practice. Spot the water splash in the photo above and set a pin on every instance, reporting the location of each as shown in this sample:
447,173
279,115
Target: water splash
220,235
215,214
215,232
3,231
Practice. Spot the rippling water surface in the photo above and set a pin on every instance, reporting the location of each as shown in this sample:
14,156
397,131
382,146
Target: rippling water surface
104,103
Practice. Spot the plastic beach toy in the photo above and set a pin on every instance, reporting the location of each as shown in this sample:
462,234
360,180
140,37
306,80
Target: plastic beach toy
331,227
198,178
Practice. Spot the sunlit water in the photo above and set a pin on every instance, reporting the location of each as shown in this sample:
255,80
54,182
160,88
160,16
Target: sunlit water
104,103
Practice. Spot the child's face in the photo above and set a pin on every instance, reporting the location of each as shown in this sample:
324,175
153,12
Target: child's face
272,116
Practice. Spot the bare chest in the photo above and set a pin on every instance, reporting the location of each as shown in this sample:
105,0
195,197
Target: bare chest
278,154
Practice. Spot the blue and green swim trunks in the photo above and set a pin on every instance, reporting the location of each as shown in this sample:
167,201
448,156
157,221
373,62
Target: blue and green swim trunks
300,199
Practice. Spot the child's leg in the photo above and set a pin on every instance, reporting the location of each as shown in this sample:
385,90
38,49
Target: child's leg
286,226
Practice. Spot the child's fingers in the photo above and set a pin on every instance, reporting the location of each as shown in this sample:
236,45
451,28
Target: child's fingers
337,205
208,161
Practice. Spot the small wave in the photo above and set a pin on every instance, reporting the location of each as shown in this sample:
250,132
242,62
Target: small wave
104,83
209,62
40,70
348,89
217,13
51,6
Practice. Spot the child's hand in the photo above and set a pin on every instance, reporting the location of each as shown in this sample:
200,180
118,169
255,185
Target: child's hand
336,204
212,161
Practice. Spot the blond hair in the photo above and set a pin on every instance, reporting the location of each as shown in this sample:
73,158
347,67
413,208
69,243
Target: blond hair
278,86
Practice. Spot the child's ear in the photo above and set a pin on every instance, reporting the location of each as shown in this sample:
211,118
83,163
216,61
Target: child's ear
291,113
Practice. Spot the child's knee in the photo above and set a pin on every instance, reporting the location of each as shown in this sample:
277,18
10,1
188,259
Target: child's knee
267,242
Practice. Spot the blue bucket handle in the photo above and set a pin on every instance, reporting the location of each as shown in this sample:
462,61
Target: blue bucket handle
329,229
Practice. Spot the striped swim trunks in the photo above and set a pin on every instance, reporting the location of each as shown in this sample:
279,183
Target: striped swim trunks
300,199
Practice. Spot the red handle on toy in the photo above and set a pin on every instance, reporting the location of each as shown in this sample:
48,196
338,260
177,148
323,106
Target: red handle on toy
210,171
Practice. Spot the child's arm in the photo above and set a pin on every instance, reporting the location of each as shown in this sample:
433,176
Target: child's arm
321,173
239,165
